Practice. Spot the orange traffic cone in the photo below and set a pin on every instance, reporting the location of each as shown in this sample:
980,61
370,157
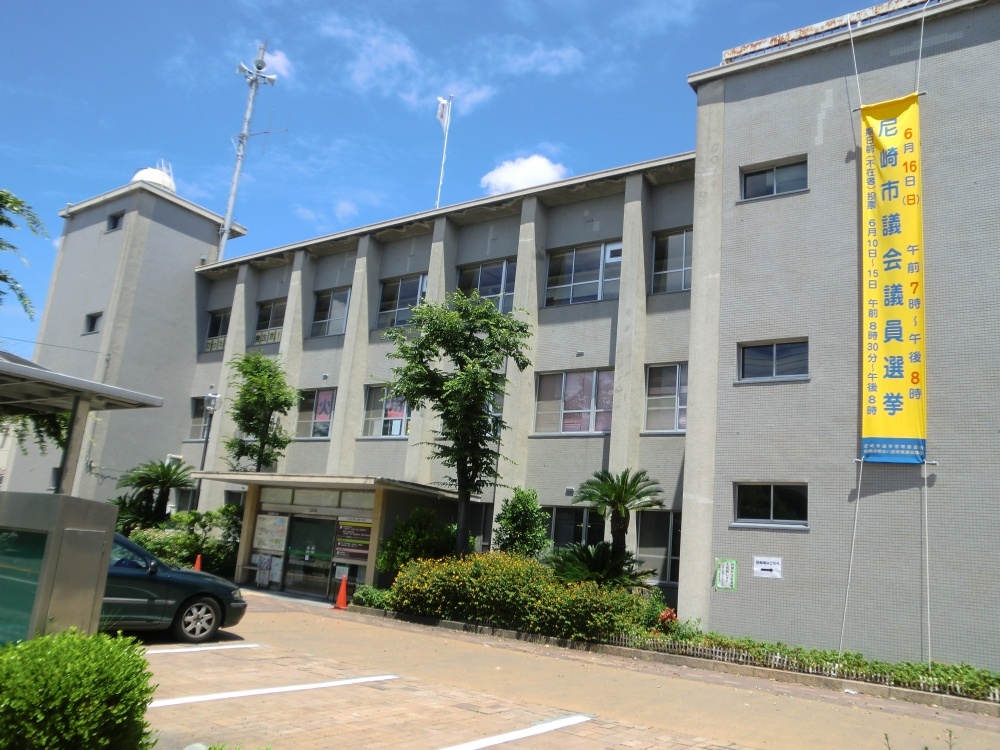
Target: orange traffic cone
342,594
197,563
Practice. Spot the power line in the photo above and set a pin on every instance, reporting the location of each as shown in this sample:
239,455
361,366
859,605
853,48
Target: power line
57,346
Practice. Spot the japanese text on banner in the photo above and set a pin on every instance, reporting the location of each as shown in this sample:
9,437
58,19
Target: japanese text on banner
893,388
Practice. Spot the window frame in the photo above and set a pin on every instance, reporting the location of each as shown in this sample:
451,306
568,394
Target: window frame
326,322
687,235
220,319
585,524
92,323
773,377
770,521
680,394
375,426
114,222
198,429
307,423
272,333
673,551
610,256
773,170
397,310
593,412
508,277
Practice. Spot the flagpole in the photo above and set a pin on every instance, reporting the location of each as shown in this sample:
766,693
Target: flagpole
446,124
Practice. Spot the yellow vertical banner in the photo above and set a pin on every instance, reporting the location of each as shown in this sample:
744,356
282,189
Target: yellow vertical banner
893,387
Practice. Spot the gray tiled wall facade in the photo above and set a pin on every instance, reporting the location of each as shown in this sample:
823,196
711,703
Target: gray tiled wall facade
790,269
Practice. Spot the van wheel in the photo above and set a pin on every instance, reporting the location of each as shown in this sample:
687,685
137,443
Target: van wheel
197,620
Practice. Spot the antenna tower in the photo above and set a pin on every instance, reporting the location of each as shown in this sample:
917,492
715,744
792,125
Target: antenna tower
254,78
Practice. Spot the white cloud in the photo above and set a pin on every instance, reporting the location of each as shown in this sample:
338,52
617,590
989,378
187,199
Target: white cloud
307,214
647,17
344,210
383,58
278,62
523,172
518,56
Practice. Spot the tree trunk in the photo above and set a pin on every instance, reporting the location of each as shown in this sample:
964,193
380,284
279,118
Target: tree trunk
160,505
619,529
462,514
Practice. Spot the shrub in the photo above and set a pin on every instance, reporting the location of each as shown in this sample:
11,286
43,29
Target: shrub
421,536
522,525
599,563
369,596
69,691
510,591
184,536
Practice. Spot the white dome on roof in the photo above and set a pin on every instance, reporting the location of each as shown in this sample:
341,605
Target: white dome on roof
161,175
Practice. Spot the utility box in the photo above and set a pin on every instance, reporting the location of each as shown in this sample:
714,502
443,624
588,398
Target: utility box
54,554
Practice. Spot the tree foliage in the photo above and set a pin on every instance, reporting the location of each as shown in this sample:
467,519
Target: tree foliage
419,537
43,429
599,563
11,208
156,479
262,397
454,356
614,496
522,525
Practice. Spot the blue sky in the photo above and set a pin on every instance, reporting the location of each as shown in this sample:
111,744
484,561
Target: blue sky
544,89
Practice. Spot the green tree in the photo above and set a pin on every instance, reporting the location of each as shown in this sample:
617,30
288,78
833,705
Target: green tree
262,397
522,525
454,357
421,536
157,478
599,563
11,208
42,428
615,496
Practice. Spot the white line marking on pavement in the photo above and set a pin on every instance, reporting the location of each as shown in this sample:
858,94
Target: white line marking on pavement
192,649
547,726
268,691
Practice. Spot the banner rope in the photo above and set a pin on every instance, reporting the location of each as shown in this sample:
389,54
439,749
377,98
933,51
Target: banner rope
920,47
854,55
850,565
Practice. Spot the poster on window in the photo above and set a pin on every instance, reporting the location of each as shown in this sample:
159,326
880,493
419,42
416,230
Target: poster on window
270,533
893,387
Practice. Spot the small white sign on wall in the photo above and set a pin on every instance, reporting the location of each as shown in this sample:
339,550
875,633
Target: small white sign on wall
766,566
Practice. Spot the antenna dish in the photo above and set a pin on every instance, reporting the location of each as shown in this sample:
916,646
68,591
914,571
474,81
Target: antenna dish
162,175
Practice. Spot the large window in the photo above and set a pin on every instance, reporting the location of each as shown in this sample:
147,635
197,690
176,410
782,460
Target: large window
575,525
584,274
493,281
218,328
270,318
315,414
772,504
672,262
385,416
785,178
666,398
398,296
788,360
575,401
330,314
659,534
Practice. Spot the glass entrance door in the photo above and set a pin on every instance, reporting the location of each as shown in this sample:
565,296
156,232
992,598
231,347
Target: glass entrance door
310,550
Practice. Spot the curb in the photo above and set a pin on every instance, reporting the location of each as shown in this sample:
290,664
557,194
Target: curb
837,684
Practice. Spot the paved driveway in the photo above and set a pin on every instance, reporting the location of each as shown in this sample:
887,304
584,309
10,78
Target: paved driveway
296,674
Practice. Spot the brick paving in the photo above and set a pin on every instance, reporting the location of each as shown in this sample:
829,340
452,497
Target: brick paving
458,687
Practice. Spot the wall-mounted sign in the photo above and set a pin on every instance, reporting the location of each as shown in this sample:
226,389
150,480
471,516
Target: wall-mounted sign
725,575
353,540
270,533
766,567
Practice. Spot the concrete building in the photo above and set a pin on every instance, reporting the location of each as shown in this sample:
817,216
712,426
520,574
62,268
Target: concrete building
653,289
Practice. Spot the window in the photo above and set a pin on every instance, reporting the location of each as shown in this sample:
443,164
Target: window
785,178
385,416
584,274
493,281
185,500
92,323
575,525
315,414
575,401
199,420
666,398
772,503
398,296
330,315
672,263
270,318
218,327
773,361
115,221
659,534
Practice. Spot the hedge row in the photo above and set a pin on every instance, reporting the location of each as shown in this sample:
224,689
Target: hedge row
507,591
69,691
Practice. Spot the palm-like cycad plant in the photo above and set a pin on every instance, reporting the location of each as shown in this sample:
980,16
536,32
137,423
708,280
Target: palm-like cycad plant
598,563
158,478
615,496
